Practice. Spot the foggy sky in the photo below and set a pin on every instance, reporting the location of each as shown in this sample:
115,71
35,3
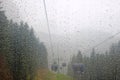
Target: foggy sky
74,24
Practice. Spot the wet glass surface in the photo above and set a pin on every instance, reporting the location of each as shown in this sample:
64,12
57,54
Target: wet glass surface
59,40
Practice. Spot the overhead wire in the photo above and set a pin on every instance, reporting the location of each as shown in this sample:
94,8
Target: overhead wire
46,15
109,38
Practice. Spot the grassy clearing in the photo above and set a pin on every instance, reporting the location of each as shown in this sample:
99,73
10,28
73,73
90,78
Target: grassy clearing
47,75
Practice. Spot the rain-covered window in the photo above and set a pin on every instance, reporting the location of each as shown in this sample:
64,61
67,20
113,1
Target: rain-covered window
59,39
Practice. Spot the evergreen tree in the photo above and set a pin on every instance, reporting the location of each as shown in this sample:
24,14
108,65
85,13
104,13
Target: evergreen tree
21,52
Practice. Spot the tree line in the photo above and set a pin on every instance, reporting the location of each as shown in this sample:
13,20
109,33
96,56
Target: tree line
99,66
21,52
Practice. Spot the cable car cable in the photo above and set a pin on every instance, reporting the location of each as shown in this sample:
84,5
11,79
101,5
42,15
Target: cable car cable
106,40
46,15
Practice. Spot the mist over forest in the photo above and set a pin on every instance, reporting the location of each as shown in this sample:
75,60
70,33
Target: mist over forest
59,40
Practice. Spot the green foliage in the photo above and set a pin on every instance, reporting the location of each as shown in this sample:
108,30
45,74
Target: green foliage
23,51
100,66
